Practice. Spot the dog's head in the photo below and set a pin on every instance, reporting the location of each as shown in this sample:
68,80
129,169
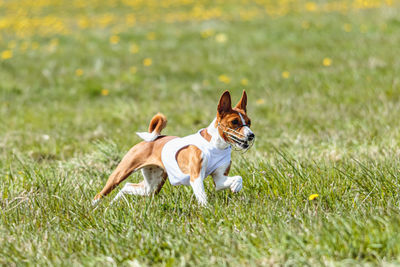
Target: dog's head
233,124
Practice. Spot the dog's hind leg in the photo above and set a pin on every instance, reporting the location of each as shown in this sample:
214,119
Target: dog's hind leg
142,155
131,162
154,178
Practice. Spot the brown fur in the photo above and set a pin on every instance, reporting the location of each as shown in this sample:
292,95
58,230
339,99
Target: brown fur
228,169
242,104
190,161
157,123
141,155
226,114
205,135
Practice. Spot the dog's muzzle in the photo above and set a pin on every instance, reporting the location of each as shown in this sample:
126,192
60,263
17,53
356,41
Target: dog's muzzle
238,141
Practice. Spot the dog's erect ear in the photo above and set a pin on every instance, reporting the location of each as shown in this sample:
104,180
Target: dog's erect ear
225,104
242,102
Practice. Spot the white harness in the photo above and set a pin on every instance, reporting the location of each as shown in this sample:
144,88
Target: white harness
213,156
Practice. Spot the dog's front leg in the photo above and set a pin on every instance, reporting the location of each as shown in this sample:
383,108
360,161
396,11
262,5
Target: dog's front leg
198,190
197,176
223,181
192,161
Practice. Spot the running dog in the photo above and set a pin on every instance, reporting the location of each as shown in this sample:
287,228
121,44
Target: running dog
188,160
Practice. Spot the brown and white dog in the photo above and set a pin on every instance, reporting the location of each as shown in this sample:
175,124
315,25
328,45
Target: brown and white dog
196,159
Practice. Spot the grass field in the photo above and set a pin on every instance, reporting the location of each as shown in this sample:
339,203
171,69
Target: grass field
79,78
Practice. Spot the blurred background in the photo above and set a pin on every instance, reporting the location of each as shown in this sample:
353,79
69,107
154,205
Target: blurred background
318,73
320,185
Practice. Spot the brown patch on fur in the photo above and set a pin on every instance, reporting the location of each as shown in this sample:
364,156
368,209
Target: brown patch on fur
242,102
190,161
226,121
141,155
228,169
157,123
204,133
225,104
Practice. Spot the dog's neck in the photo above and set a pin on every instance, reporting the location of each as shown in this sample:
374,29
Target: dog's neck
216,139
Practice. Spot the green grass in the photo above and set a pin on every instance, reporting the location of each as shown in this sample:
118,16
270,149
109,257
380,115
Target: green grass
330,130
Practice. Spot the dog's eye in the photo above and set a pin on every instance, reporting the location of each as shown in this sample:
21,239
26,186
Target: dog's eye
235,122
249,123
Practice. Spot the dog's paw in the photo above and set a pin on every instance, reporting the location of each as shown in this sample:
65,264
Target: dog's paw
203,202
236,185
95,202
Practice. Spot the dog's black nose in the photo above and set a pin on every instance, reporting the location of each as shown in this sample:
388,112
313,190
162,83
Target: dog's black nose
251,136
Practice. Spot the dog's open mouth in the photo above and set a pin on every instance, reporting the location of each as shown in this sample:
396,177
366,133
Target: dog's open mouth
242,145
239,143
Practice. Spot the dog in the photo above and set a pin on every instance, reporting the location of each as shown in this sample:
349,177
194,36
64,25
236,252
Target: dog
188,160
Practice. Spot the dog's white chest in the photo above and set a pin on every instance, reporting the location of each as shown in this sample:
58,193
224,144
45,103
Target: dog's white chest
214,157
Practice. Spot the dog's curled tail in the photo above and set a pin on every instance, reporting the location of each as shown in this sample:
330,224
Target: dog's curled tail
157,123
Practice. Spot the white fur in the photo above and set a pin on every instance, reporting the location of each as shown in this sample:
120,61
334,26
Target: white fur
152,179
216,139
146,136
95,202
198,190
223,182
246,130
198,184
241,117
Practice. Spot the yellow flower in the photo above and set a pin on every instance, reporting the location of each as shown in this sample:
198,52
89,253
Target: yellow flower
285,74
104,92
79,72
244,82
114,39
134,48
260,101
6,54
133,70
221,38
347,27
54,42
313,196
83,23
223,78
327,62
151,36
311,6
130,19
147,62
207,33
35,45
